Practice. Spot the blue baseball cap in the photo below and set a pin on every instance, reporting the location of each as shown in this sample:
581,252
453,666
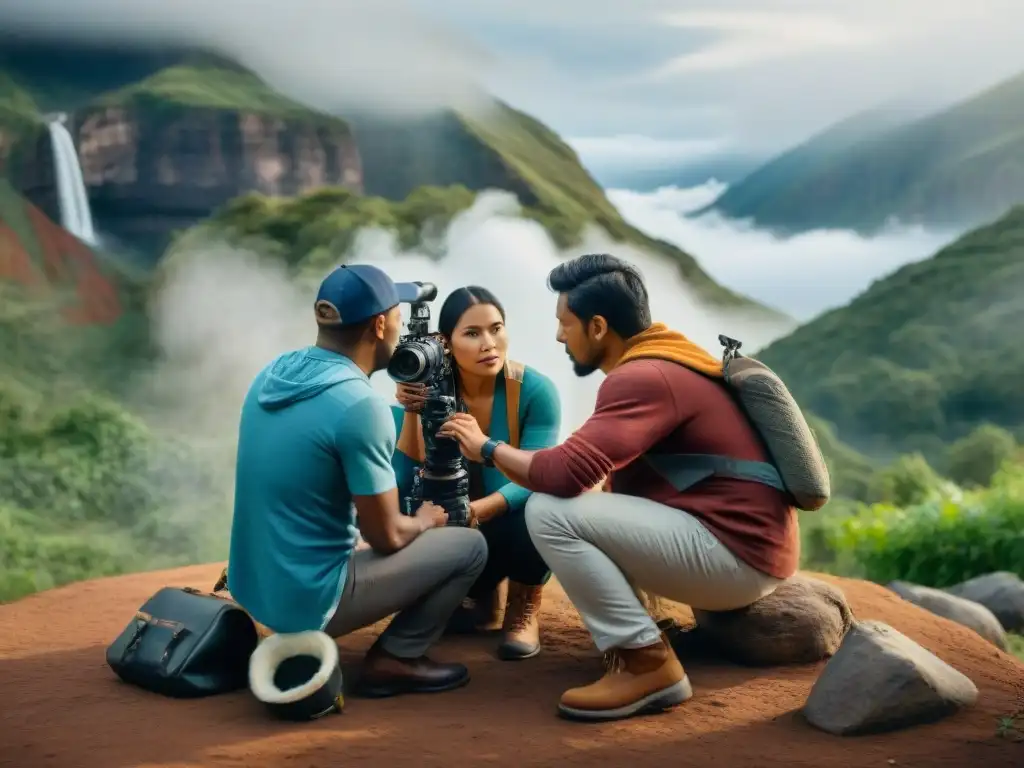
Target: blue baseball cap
356,292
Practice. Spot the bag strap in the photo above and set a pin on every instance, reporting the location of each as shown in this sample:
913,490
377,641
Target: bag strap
174,630
515,372
684,470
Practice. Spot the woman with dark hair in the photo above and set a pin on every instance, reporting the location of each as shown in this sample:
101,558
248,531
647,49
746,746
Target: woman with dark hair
511,402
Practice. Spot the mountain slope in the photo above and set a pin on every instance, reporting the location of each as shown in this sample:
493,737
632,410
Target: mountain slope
961,166
162,152
787,171
501,147
86,486
21,128
924,354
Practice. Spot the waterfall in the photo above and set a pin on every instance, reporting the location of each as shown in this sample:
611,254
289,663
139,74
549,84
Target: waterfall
75,214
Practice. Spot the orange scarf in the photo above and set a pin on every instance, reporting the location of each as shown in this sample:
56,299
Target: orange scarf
662,343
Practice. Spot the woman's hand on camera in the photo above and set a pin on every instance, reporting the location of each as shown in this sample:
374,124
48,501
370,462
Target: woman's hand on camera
411,396
464,428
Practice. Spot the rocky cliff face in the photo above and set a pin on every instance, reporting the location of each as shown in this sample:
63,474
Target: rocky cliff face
149,173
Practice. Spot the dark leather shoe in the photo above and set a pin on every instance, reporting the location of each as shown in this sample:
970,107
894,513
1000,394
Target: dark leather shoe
387,675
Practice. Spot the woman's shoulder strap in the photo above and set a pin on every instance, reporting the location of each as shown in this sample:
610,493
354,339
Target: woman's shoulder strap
515,373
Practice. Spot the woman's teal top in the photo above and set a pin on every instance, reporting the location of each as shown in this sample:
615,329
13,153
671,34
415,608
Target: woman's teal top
540,417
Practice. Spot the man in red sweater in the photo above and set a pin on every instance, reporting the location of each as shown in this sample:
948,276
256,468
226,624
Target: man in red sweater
718,544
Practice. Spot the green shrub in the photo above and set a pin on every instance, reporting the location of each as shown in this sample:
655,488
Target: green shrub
906,481
945,540
974,460
87,489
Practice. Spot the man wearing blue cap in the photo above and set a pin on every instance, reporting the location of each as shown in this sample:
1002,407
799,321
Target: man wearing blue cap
314,440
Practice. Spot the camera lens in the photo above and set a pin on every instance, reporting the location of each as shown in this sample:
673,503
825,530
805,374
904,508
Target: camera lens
409,363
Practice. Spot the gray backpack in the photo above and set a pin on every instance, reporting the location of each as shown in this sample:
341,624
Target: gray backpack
797,467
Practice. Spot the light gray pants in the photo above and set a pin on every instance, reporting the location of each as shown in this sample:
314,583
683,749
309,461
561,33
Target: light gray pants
603,546
424,582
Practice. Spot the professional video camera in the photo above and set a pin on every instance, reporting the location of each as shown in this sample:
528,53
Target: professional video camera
423,357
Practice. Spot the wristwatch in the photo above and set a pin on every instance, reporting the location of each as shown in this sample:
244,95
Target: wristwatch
487,451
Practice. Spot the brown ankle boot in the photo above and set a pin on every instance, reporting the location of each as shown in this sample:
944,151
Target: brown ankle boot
637,681
476,615
521,628
488,611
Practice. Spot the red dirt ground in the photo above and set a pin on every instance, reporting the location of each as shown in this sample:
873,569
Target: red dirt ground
62,706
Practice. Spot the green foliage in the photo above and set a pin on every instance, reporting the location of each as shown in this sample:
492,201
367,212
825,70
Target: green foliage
851,472
88,488
316,230
907,481
20,126
924,355
962,164
973,460
565,198
940,542
15,100
205,86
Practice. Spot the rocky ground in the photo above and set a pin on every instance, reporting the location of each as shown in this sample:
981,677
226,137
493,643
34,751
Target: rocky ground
64,707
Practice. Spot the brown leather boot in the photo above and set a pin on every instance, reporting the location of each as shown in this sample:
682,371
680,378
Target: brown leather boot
521,629
637,681
475,616
386,675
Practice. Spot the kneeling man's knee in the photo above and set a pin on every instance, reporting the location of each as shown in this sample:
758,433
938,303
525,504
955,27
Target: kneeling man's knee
542,510
473,547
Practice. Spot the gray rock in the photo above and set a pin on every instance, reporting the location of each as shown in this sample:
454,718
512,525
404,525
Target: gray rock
880,680
959,609
1002,592
802,622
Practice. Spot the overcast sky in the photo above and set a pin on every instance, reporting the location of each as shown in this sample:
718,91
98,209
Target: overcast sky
669,79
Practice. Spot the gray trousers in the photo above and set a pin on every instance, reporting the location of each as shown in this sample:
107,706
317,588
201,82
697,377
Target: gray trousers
603,546
424,583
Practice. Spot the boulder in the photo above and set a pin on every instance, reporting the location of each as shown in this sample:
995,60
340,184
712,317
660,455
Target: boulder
880,680
961,610
803,621
1002,592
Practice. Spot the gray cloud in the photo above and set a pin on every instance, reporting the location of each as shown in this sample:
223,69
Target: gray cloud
756,74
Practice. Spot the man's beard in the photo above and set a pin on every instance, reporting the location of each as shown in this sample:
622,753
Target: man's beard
384,354
580,369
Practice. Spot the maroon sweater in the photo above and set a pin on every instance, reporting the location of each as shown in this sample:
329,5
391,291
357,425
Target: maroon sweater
659,406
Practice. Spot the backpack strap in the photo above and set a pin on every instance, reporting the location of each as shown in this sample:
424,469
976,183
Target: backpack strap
515,372
684,470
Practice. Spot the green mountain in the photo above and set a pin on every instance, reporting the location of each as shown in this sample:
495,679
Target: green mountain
87,487
785,173
21,127
924,355
961,166
204,131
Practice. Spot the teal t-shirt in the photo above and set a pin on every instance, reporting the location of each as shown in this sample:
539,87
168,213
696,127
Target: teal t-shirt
312,434
540,419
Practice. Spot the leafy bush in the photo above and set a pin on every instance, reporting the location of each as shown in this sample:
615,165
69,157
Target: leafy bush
940,542
906,481
88,489
974,460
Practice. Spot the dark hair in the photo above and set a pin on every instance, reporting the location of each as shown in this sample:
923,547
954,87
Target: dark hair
348,336
600,284
459,301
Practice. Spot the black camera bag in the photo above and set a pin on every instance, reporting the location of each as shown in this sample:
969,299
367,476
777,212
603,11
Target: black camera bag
185,643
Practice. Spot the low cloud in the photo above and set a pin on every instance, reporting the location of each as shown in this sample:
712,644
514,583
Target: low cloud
802,275
385,55
222,314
